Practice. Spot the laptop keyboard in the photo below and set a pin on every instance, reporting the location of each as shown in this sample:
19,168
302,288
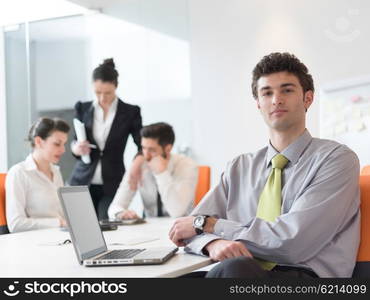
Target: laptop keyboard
121,254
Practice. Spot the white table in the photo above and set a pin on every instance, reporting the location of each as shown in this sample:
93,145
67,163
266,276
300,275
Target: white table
28,254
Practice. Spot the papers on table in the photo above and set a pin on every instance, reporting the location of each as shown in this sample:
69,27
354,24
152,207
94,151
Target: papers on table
135,240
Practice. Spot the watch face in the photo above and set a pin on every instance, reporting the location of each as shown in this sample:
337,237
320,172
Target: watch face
198,221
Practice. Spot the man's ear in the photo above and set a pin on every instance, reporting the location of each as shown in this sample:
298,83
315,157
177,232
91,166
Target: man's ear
258,103
308,99
168,148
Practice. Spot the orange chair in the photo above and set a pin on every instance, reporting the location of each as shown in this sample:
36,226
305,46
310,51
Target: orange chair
204,183
365,170
3,226
362,268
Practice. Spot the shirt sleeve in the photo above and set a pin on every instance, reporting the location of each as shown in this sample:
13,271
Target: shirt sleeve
328,204
122,198
177,190
16,199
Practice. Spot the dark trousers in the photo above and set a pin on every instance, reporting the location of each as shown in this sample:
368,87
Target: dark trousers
244,267
100,200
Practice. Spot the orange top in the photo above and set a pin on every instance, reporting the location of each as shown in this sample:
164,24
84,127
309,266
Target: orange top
2,199
364,250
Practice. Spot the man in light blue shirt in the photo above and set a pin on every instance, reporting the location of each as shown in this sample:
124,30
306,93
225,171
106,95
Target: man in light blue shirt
317,231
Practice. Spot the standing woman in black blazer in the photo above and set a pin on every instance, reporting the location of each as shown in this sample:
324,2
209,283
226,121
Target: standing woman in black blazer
108,122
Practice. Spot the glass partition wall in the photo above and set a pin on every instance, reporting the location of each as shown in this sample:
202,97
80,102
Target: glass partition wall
49,65
18,100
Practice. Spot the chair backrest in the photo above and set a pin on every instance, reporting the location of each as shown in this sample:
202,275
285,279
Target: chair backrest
362,268
3,226
204,182
365,170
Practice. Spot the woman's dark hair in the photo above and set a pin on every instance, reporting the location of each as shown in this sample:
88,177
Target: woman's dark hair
162,132
282,62
44,127
106,72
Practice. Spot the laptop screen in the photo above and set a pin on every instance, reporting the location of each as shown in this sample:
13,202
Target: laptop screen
83,223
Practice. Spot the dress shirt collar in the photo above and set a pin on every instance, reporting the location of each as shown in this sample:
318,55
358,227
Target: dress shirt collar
293,151
112,108
30,165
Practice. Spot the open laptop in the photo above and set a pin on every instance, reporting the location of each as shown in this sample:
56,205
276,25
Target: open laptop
88,240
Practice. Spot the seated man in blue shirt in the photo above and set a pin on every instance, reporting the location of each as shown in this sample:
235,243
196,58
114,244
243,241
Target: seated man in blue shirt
290,209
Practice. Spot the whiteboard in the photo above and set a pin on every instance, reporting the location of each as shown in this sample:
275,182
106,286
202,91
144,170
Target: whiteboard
345,115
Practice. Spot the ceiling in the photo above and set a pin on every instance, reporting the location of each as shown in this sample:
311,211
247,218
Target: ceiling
56,22
20,11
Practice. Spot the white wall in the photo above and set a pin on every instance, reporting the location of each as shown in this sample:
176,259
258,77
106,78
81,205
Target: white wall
166,16
3,135
153,67
19,11
154,72
229,37
59,73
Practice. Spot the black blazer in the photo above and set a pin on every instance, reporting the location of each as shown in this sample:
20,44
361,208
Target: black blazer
126,121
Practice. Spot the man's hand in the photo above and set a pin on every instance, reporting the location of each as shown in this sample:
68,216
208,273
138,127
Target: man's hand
182,229
222,249
127,215
81,148
158,164
135,172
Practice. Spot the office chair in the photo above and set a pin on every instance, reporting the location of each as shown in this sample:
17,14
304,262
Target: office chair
362,268
3,226
365,170
204,182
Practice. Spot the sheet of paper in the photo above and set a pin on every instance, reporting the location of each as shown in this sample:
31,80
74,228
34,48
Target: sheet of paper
357,125
81,137
356,114
366,111
135,241
340,117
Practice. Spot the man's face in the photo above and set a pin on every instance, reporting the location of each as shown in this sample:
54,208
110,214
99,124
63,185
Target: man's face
281,100
151,148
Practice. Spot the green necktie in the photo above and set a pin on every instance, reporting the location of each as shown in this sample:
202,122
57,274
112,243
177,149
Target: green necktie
269,205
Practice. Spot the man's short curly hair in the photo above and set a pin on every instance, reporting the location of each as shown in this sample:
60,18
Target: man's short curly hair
282,62
161,131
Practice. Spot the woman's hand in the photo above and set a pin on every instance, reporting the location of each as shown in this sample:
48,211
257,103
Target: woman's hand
81,148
